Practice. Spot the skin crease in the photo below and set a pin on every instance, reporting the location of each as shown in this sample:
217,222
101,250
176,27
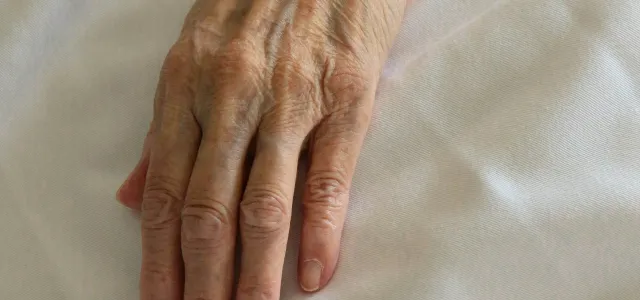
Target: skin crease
268,77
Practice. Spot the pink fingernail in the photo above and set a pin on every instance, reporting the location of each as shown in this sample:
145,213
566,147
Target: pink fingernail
311,273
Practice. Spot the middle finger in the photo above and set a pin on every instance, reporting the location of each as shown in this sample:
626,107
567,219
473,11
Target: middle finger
210,210
265,213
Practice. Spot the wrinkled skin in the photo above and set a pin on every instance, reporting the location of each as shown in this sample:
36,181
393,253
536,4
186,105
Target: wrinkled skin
270,77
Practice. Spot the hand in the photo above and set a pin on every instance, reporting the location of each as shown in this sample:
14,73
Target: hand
280,73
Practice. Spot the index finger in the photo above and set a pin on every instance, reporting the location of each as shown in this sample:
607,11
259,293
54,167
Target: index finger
172,153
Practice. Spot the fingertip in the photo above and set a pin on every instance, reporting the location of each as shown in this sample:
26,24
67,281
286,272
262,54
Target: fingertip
130,192
314,274
125,197
319,253
310,275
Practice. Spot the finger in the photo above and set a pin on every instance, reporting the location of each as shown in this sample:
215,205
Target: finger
265,213
131,190
170,164
173,150
210,211
334,152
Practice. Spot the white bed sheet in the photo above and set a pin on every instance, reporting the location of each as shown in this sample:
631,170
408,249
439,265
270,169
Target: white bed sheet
503,161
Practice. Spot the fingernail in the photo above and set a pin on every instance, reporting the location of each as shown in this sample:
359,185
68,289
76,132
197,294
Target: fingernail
311,273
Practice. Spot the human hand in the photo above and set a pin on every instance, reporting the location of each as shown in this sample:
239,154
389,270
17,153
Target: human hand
283,74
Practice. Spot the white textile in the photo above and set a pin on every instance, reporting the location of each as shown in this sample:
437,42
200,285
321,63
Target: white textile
503,161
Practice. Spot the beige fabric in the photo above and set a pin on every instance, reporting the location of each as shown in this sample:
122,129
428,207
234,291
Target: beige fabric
503,162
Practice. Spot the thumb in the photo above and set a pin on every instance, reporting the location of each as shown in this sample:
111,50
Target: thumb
131,190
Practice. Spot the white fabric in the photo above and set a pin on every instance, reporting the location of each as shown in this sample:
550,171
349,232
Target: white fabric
503,162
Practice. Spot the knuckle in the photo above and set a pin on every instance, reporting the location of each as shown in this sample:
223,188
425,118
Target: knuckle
326,195
296,102
288,127
176,77
205,225
153,271
263,212
207,31
232,138
294,72
347,84
292,76
227,118
176,112
233,84
238,58
234,80
344,127
161,202
176,60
